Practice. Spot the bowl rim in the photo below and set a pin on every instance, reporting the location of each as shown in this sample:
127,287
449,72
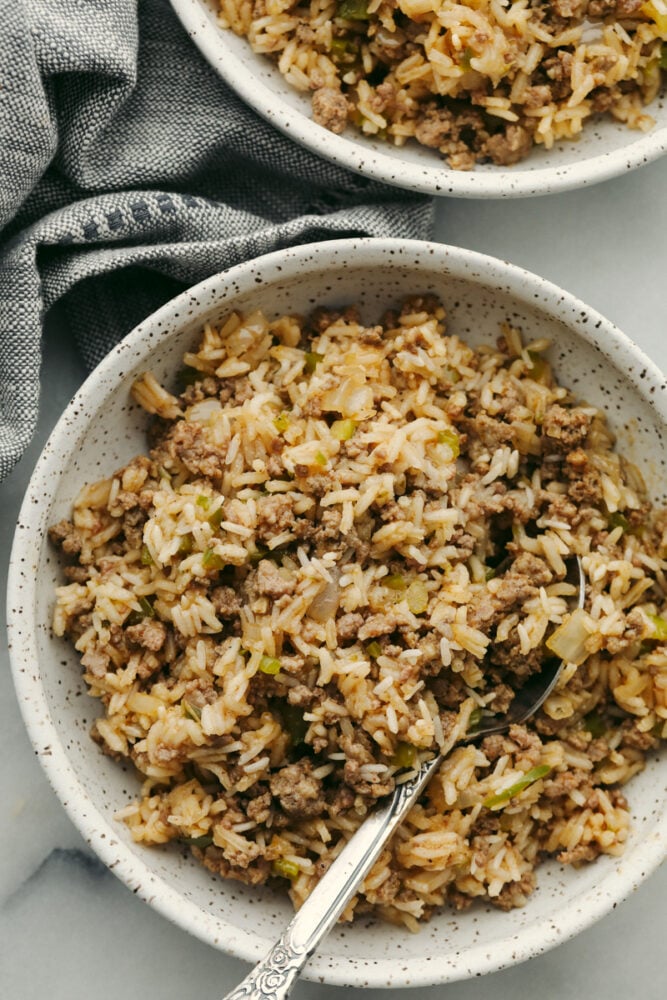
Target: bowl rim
378,165
581,910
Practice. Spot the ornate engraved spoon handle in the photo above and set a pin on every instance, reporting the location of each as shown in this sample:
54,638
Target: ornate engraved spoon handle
274,976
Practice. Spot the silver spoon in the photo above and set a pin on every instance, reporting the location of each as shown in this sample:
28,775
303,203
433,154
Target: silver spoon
274,976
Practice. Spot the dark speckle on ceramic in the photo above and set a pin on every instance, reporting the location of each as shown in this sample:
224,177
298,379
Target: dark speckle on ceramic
605,148
99,431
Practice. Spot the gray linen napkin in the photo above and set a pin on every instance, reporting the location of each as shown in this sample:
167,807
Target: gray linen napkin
128,170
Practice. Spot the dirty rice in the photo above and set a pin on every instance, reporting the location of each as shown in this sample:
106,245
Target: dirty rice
304,586
482,81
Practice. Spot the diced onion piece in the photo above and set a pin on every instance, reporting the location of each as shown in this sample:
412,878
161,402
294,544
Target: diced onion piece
569,640
417,597
325,605
143,704
149,394
201,412
352,398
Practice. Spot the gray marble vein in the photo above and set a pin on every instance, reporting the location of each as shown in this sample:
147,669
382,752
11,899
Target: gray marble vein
61,861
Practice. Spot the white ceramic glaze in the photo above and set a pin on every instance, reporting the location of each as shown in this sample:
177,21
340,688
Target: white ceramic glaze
605,149
102,428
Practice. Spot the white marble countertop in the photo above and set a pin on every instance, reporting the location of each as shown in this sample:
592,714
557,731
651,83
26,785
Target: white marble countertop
69,930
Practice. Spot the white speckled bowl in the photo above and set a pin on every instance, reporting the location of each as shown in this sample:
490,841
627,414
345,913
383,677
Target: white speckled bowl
102,428
605,149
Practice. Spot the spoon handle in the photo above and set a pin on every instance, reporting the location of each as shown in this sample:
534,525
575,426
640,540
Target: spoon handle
274,976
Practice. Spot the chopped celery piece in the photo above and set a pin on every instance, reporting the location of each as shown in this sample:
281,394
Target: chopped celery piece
281,422
147,611
215,520
529,778
395,581
344,51
343,430
663,57
201,842
312,360
540,371
659,628
490,572
404,755
203,501
618,520
475,718
190,711
353,10
374,649
285,868
293,721
147,607
146,557
417,597
188,376
320,458
595,724
211,560
185,545
450,438
269,665
339,48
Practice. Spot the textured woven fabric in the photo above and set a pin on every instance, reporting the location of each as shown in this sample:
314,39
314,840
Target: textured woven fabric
128,170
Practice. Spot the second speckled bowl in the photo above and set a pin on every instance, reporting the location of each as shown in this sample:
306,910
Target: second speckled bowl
101,429
605,148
